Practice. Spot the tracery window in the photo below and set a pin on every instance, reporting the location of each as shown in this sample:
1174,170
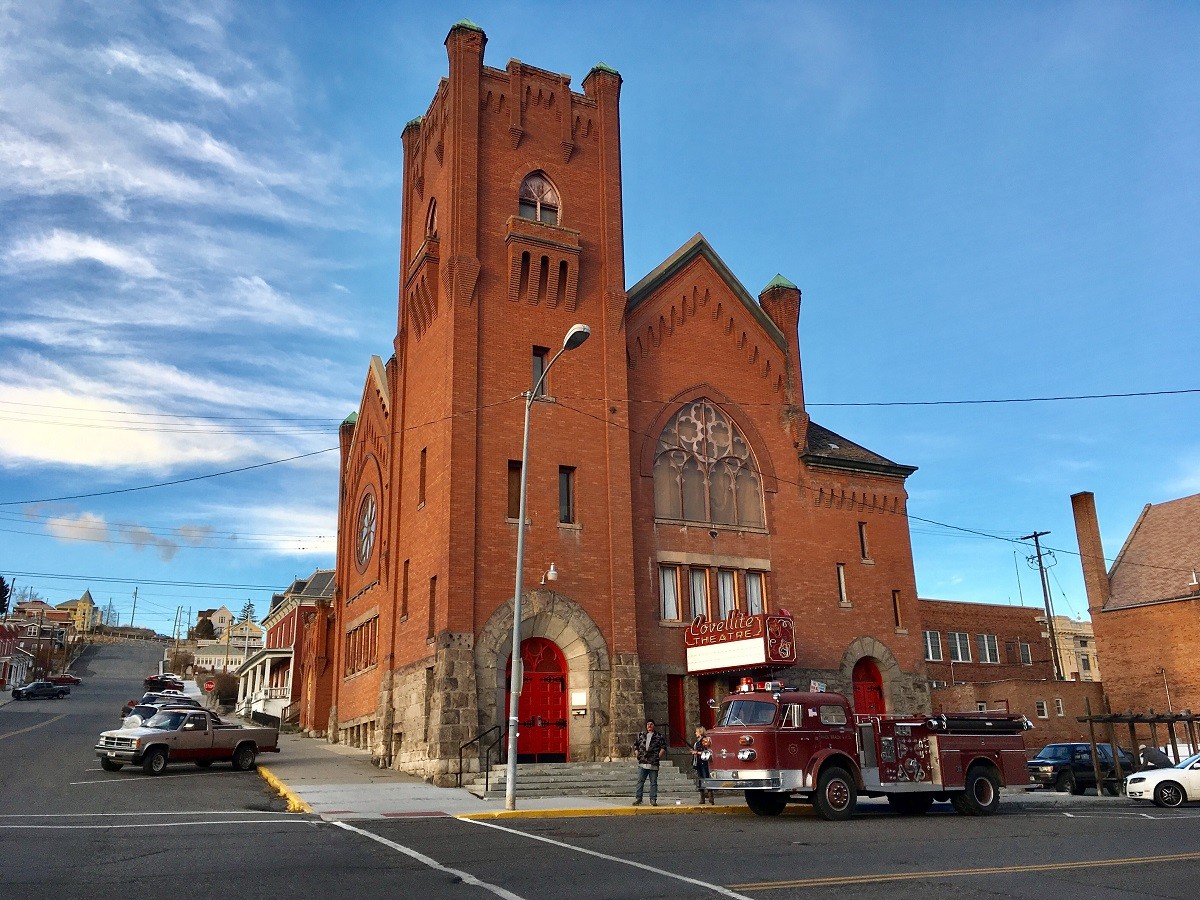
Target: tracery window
538,199
704,470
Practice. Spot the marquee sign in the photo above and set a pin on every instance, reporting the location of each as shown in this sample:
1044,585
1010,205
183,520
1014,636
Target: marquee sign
739,641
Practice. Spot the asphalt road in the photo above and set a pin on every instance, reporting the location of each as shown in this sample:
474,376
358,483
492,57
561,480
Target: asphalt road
69,829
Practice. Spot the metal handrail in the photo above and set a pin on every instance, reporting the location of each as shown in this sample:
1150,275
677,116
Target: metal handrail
476,740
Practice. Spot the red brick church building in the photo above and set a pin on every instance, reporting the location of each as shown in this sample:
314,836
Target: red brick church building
673,473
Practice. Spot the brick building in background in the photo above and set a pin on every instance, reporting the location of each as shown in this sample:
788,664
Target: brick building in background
984,656
674,471
1145,609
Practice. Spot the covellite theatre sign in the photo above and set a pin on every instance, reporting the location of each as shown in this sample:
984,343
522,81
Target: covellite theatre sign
739,641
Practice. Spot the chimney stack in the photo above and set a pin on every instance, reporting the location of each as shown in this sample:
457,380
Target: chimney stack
1091,551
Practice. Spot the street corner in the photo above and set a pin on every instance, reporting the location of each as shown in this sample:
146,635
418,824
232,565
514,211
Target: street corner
294,803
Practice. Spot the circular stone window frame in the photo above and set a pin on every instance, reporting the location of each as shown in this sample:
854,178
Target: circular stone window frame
361,559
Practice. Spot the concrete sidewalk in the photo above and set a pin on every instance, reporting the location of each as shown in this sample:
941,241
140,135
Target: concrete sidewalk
338,782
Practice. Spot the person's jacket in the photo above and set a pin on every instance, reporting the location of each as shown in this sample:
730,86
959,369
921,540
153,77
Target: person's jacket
648,755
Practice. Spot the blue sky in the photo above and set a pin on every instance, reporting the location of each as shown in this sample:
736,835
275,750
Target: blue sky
199,243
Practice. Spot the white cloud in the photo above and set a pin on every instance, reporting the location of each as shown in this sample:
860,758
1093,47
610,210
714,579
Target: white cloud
292,530
64,247
84,527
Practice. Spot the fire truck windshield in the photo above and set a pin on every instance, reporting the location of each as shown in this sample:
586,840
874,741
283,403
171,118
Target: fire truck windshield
747,712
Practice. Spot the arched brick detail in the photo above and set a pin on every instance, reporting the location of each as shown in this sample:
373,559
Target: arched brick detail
868,647
557,617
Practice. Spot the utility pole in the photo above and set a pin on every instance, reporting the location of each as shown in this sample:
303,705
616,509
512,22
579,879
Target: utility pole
134,610
175,634
1037,546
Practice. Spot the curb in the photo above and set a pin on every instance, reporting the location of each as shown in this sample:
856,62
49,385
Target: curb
294,803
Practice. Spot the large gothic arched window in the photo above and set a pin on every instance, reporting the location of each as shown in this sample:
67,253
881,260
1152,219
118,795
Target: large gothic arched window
704,470
538,199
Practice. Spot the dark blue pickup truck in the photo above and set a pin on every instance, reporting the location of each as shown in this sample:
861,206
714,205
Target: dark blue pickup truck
41,690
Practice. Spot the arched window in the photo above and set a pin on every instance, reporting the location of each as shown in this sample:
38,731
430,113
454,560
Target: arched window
538,199
704,470
431,220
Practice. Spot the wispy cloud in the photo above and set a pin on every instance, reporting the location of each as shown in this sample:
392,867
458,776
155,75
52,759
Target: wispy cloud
64,247
163,67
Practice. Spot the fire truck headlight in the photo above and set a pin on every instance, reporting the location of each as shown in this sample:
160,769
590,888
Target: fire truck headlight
746,740
746,755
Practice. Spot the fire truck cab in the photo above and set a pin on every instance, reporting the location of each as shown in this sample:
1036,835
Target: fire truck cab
778,744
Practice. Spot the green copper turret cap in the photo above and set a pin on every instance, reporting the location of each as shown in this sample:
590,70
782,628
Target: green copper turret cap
350,419
604,67
466,23
780,281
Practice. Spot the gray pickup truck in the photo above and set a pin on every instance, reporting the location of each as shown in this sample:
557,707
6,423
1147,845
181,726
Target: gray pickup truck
41,690
183,734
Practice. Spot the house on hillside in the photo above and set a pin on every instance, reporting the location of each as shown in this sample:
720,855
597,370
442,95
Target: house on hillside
270,679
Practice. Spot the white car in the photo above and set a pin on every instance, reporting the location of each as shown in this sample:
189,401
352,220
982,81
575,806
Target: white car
1167,787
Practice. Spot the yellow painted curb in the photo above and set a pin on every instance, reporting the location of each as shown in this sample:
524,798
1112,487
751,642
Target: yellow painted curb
294,803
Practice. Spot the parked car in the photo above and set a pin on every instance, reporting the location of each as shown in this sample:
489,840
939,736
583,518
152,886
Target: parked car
158,699
1167,787
64,678
160,682
1067,768
41,690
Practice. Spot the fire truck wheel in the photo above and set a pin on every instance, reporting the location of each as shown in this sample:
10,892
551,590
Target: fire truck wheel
982,794
762,803
836,795
911,804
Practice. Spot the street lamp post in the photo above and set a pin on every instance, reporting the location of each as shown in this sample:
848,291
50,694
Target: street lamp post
575,336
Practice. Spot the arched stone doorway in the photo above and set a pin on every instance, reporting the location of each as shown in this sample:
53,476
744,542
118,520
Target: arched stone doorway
542,706
587,668
879,674
868,688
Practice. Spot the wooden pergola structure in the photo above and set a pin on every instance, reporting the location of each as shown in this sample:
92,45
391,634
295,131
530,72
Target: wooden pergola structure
1173,721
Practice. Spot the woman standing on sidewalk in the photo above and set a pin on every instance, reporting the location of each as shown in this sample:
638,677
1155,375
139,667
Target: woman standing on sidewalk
701,754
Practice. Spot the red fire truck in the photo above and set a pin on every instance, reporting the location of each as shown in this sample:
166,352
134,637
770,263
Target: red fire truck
779,744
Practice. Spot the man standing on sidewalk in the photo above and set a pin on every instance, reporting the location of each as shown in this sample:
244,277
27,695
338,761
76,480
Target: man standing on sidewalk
650,748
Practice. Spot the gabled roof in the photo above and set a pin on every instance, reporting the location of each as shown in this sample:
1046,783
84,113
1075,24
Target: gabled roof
832,451
699,246
1159,556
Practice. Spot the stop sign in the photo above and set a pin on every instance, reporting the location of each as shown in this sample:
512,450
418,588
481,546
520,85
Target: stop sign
210,686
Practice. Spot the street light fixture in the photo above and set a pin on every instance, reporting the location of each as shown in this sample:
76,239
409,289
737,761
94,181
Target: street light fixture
575,337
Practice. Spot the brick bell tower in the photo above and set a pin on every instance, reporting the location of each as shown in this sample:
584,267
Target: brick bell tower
511,233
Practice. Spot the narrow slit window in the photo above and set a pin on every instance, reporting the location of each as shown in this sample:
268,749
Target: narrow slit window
843,598
540,357
863,548
566,495
514,489
432,608
896,609
421,476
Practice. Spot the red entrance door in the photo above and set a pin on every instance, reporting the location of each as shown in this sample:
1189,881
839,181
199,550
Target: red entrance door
868,688
542,708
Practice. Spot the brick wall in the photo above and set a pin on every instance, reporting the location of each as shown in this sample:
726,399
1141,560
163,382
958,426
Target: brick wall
1010,625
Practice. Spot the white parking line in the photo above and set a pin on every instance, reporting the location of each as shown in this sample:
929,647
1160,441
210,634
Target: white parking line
466,877
716,888
149,780
158,824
